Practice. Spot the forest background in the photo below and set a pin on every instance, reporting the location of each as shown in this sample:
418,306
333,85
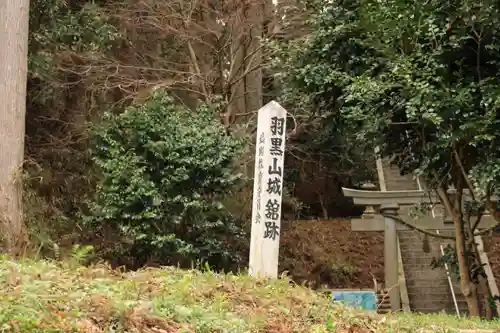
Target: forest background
212,65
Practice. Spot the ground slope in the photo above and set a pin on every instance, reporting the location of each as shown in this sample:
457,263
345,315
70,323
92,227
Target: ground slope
54,297
329,254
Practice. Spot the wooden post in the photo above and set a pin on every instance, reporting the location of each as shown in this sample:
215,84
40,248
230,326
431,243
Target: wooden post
391,256
267,191
403,290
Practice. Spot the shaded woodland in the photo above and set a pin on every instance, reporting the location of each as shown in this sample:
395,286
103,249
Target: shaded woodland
87,58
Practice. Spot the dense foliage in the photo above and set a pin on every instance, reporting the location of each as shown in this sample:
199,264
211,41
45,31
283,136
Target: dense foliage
432,89
417,77
86,57
62,96
163,173
310,72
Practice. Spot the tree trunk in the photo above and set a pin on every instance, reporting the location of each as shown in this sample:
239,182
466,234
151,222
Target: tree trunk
482,282
253,55
483,286
237,53
455,210
466,285
14,24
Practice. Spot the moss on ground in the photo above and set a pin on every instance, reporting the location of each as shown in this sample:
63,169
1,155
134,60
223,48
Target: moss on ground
43,296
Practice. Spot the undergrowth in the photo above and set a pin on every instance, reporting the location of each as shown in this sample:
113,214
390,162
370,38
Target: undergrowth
49,296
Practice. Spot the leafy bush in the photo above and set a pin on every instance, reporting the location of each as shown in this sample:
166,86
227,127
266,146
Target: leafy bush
164,169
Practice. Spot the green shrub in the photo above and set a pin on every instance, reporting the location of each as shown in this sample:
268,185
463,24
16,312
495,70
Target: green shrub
164,169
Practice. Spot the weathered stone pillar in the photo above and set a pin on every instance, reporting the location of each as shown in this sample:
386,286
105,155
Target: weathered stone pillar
391,255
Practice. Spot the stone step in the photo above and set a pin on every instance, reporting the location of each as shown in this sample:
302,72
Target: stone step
384,302
428,288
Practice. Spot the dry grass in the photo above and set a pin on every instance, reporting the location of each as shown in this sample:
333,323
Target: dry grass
41,296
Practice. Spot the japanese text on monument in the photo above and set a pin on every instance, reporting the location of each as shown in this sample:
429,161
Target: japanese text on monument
267,191
260,175
274,179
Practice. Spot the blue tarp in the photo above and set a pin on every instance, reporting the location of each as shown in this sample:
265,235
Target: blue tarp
359,299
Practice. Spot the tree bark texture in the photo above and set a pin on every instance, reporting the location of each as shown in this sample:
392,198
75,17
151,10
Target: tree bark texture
466,285
482,282
468,288
14,26
246,77
237,55
253,57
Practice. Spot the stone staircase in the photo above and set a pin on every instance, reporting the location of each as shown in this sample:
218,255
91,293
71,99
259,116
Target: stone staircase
383,301
428,289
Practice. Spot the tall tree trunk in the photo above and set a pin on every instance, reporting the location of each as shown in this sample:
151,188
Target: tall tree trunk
482,282
253,58
14,25
466,285
468,288
237,55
